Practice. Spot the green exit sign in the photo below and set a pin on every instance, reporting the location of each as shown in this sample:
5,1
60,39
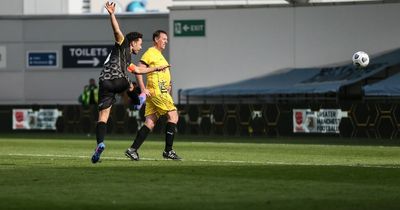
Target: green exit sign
189,27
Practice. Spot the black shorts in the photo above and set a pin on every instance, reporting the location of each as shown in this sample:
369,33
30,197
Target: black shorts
108,89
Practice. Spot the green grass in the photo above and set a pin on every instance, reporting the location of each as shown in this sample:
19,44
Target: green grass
43,173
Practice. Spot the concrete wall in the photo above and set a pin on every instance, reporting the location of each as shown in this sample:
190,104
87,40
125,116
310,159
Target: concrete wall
242,43
20,85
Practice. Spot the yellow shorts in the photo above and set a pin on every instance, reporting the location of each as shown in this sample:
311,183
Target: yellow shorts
159,104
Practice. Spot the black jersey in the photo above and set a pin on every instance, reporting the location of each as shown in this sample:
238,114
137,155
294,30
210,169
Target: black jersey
117,62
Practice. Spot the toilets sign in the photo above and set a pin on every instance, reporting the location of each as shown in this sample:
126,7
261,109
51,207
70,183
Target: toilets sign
85,56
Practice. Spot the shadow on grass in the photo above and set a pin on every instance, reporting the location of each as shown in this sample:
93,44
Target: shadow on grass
170,185
317,140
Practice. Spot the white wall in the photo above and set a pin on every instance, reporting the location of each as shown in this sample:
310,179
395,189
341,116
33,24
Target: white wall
249,42
19,85
42,7
57,7
238,44
332,34
14,7
152,5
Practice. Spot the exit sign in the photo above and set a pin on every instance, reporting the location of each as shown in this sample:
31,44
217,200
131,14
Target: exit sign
189,27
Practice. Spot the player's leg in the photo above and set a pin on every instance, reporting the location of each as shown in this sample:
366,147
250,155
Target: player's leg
137,99
170,130
151,119
106,99
141,136
164,105
107,91
148,126
101,129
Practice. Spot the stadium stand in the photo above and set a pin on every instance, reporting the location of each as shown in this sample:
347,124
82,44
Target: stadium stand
331,83
389,87
263,105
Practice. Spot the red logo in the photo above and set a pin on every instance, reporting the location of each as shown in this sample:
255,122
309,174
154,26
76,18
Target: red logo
299,118
19,116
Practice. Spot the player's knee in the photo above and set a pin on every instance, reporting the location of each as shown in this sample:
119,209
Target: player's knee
103,118
150,124
174,120
103,114
173,117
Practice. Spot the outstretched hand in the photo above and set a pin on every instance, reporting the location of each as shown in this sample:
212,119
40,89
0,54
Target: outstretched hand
146,91
110,7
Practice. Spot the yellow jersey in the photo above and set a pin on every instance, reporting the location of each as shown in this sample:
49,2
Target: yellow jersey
158,82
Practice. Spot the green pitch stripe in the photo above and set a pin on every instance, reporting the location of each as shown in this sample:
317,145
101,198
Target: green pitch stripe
211,161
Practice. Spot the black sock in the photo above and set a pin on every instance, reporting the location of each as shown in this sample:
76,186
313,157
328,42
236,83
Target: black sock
140,137
170,131
101,129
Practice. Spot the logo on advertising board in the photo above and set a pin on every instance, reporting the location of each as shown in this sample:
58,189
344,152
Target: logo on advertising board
43,119
322,121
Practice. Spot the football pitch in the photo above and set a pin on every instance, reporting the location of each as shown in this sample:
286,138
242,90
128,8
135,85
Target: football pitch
46,173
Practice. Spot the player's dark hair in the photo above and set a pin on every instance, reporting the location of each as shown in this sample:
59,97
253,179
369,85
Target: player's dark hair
157,33
133,36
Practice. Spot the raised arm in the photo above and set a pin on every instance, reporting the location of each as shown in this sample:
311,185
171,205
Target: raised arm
118,35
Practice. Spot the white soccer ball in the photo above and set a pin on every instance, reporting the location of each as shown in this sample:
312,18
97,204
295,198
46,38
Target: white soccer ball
360,59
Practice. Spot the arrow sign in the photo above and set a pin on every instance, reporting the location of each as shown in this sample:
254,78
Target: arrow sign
85,56
186,27
94,62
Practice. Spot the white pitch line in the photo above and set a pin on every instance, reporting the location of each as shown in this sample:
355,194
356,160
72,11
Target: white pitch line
210,160
74,156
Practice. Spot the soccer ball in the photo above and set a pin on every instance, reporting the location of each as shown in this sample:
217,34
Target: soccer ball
360,59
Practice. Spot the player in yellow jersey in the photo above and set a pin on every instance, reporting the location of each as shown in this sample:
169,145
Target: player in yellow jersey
159,101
